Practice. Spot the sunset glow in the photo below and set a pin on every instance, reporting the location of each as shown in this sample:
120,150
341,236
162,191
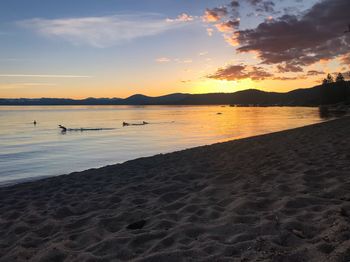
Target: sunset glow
174,130
161,47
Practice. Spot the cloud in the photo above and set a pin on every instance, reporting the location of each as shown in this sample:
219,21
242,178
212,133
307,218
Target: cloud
187,61
289,68
234,8
203,53
346,59
45,76
301,40
210,31
22,85
262,6
290,42
228,26
239,72
181,18
234,4
215,14
314,73
285,78
104,31
163,60
231,39
183,61
290,10
177,60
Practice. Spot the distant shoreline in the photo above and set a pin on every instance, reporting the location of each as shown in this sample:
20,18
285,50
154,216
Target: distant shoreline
298,97
331,93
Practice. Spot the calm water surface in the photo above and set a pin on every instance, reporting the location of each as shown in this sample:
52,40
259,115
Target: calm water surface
29,151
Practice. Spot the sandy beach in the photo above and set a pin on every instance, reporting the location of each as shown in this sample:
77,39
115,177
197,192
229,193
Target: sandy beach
278,197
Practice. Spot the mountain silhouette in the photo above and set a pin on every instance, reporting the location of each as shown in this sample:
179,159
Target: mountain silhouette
299,97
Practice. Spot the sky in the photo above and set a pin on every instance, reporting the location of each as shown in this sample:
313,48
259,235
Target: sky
117,48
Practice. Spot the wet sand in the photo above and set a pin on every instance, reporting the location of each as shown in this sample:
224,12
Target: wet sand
278,197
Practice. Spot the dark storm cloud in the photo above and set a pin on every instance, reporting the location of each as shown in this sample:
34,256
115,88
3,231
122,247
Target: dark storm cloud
318,34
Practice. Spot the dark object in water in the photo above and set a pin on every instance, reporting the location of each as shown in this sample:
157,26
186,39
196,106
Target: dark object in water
137,225
219,113
64,129
34,122
135,124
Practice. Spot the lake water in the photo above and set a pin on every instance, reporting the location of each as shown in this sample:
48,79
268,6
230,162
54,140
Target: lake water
29,151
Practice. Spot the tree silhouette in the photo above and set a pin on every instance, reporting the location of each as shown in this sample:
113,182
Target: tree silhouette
340,78
333,92
330,79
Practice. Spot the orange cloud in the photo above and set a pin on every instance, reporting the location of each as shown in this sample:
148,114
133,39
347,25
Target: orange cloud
239,72
231,39
228,26
215,14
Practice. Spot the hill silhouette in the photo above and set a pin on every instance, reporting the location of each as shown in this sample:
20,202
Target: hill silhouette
300,97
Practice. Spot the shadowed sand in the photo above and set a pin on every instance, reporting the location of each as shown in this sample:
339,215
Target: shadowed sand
278,197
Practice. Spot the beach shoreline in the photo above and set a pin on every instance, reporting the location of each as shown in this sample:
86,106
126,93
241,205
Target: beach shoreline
282,196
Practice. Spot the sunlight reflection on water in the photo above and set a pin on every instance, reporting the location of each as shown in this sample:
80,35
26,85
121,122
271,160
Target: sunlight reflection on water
42,150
